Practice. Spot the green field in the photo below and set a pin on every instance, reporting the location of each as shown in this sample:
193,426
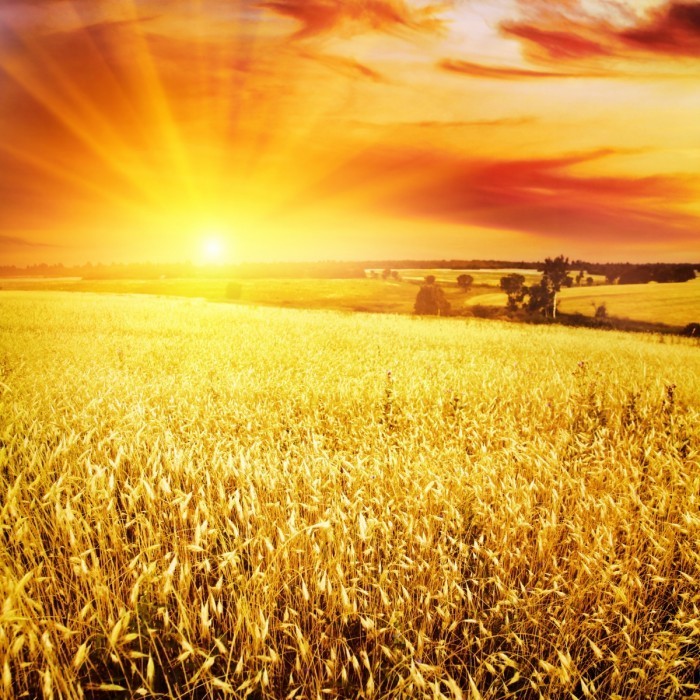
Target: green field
214,500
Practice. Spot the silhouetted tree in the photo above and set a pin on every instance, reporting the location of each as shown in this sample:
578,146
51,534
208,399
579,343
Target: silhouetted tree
465,281
540,297
543,296
431,300
589,281
692,330
514,286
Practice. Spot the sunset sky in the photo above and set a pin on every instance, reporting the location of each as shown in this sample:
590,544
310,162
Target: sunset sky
242,130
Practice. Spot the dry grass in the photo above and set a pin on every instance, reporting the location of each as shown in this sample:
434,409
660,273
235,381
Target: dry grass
200,501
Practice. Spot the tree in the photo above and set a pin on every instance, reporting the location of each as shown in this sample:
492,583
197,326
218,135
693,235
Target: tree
514,286
589,281
431,300
556,272
543,296
465,281
540,297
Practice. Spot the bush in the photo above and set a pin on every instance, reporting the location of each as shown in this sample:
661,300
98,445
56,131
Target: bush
234,290
431,300
692,330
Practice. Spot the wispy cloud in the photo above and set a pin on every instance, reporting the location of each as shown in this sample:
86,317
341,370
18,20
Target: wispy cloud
12,244
345,65
480,70
558,44
319,17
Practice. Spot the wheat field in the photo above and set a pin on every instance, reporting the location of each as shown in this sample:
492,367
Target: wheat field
208,501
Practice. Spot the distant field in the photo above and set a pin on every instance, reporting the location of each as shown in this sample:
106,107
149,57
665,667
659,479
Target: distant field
673,304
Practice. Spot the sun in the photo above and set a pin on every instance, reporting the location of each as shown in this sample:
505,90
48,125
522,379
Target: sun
213,249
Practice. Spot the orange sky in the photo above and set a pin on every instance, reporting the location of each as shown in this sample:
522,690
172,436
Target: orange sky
134,130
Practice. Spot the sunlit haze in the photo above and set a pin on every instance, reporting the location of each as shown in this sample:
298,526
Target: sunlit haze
344,129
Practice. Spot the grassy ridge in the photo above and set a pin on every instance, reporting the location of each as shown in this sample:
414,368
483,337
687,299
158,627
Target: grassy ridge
200,500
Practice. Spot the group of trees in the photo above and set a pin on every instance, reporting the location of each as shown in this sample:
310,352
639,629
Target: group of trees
431,300
542,296
631,273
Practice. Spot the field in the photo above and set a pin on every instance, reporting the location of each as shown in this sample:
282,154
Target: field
209,500
673,304
372,295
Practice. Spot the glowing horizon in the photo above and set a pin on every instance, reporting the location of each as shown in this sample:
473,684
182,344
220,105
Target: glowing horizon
343,129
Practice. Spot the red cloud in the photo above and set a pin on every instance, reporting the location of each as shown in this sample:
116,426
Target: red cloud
539,197
558,44
674,30
571,34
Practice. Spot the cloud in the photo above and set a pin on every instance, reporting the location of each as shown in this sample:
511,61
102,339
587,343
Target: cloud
673,30
319,17
564,45
570,33
11,244
480,70
540,197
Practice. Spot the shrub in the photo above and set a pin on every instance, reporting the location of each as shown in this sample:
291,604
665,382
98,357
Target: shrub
234,290
692,330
